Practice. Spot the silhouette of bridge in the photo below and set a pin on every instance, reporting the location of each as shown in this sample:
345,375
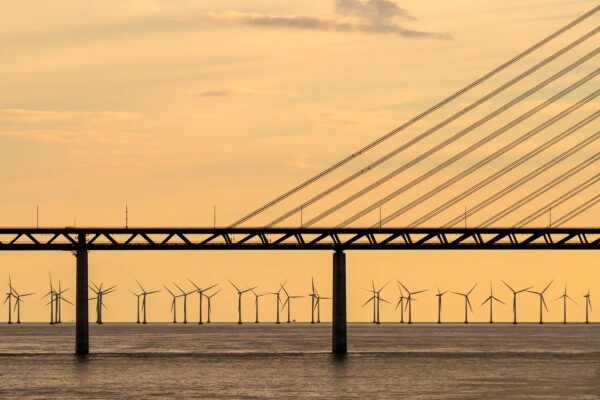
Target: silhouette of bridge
378,235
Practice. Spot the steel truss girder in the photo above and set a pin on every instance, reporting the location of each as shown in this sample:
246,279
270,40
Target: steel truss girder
299,238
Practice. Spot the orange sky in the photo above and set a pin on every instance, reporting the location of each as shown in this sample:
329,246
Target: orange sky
174,107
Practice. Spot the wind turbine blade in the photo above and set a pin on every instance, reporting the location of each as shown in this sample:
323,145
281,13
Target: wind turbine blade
444,293
472,289
152,292
460,294
548,286
168,291
368,301
508,286
384,285
524,290
285,302
399,301
96,286
469,303
196,286
498,300
486,300
210,287
104,306
569,297
407,291
232,284
373,283
110,288
544,302
384,300
62,298
27,294
177,286
140,285
312,279
420,291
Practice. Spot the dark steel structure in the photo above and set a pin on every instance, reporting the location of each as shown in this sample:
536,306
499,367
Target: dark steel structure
74,239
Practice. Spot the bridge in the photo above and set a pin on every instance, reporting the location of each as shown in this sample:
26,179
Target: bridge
572,161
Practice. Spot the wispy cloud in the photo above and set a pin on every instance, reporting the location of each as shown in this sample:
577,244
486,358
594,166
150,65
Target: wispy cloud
246,91
36,116
368,16
75,137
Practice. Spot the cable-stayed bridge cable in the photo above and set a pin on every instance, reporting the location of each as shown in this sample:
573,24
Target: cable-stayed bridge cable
575,212
489,159
446,142
434,129
498,174
558,201
523,180
430,110
540,191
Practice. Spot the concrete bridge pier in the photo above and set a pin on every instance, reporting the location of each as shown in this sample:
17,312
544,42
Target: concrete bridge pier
82,341
339,340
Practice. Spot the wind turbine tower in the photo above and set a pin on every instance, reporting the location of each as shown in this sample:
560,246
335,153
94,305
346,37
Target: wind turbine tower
240,293
588,302
200,292
491,299
467,303
439,296
515,293
409,300
542,301
565,296
184,295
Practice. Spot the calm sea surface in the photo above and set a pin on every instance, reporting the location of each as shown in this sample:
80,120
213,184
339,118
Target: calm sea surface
132,361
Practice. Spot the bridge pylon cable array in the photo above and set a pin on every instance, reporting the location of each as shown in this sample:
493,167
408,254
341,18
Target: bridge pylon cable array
497,154
558,201
523,180
576,211
510,167
460,134
417,118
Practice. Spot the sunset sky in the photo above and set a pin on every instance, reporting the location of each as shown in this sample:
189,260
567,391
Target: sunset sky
175,107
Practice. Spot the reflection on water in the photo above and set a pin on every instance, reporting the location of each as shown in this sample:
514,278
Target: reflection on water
291,361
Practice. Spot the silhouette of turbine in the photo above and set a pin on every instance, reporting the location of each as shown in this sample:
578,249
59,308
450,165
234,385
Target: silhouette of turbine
467,302
278,301
208,297
565,296
144,294
376,298
58,298
184,295
240,293
439,296
515,293
409,300
200,292
256,296
491,299
173,304
289,303
588,302
18,301
400,302
99,299
51,302
542,301
9,296
313,301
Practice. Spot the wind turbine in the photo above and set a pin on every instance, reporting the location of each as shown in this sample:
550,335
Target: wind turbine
319,298
588,302
256,296
491,299
542,301
277,294
185,295
439,296
200,292
138,304
99,296
144,294
376,299
208,297
58,309
18,302
51,303
240,293
289,303
515,293
467,302
409,300
400,302
565,296
9,296
313,295
173,304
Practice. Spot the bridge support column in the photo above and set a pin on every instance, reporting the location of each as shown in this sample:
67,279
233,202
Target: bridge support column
82,341
339,340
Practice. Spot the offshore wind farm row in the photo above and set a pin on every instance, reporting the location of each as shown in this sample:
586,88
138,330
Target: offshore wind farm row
283,301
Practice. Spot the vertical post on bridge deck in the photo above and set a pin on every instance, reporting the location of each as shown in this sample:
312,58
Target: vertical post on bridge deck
339,340
82,341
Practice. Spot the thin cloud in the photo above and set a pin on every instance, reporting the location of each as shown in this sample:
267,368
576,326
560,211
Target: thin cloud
246,91
366,16
36,116
74,137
